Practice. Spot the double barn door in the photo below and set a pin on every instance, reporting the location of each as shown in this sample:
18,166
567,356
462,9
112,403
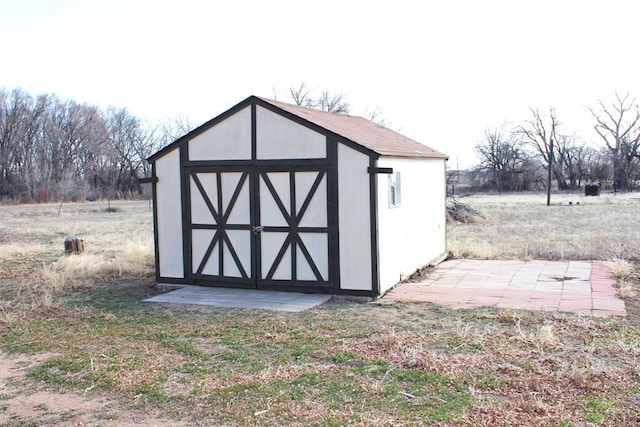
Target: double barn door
259,227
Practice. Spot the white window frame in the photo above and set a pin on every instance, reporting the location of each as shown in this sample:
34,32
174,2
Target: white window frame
395,190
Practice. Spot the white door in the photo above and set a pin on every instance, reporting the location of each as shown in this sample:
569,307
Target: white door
220,226
294,227
264,226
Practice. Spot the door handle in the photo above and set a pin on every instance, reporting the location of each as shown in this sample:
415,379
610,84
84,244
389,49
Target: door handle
258,229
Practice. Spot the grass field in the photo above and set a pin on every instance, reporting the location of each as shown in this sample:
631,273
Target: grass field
78,346
521,226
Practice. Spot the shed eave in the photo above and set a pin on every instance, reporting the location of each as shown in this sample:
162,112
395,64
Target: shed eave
275,106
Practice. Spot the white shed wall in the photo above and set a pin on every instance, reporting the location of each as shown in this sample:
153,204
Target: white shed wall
169,211
281,138
412,234
354,219
229,139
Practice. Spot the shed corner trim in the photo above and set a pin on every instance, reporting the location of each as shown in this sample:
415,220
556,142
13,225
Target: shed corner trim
374,170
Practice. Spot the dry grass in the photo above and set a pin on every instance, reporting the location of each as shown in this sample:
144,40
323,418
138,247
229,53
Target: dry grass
621,268
338,364
541,368
521,226
626,275
119,246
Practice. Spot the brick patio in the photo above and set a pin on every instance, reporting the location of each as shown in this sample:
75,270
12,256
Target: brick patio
583,287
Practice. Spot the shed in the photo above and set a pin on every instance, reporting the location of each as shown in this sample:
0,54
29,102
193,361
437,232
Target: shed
270,195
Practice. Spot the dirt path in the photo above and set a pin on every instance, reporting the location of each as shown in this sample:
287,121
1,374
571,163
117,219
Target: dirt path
22,403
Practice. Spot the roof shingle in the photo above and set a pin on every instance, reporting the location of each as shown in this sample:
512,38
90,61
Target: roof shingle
361,131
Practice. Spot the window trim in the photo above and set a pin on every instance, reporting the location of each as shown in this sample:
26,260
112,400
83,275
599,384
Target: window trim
395,190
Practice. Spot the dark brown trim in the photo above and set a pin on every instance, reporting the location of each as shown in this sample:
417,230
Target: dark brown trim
293,224
283,165
387,171
172,280
221,282
254,205
254,133
185,199
357,293
148,180
297,286
154,197
375,253
333,214
197,226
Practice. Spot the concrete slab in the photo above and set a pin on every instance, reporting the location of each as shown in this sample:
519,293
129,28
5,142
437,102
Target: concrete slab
583,287
241,298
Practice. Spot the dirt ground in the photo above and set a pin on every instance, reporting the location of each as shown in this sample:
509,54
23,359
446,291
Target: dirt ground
19,402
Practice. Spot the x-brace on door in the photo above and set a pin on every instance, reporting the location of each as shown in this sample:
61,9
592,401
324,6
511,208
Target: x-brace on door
259,226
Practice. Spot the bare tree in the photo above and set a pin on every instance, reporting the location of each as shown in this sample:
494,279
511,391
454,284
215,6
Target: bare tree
301,94
567,154
618,125
541,133
592,165
15,113
62,150
502,157
333,103
376,116
124,133
173,129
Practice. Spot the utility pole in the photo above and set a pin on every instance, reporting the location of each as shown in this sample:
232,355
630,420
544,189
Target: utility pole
549,171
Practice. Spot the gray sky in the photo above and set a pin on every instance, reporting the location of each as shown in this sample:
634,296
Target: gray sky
441,71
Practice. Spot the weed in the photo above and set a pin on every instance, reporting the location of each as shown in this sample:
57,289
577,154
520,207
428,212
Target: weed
476,346
595,417
343,356
598,409
107,416
41,407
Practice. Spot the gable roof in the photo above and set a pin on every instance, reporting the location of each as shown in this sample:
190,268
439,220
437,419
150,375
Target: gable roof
361,131
358,130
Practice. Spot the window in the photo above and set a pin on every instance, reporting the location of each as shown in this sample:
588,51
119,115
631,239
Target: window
395,190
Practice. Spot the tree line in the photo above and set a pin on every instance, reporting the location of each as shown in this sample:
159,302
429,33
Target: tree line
540,151
53,149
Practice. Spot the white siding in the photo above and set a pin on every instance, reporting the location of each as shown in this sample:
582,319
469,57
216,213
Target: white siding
412,234
354,219
169,212
280,138
228,140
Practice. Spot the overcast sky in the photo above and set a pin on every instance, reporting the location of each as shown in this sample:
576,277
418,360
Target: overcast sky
441,71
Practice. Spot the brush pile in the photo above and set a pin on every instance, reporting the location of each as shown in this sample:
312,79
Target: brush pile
460,212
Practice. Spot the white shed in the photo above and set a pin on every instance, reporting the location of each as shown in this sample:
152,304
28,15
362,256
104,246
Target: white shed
270,195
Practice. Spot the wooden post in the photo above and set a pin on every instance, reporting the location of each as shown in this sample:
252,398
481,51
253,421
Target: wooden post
73,245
